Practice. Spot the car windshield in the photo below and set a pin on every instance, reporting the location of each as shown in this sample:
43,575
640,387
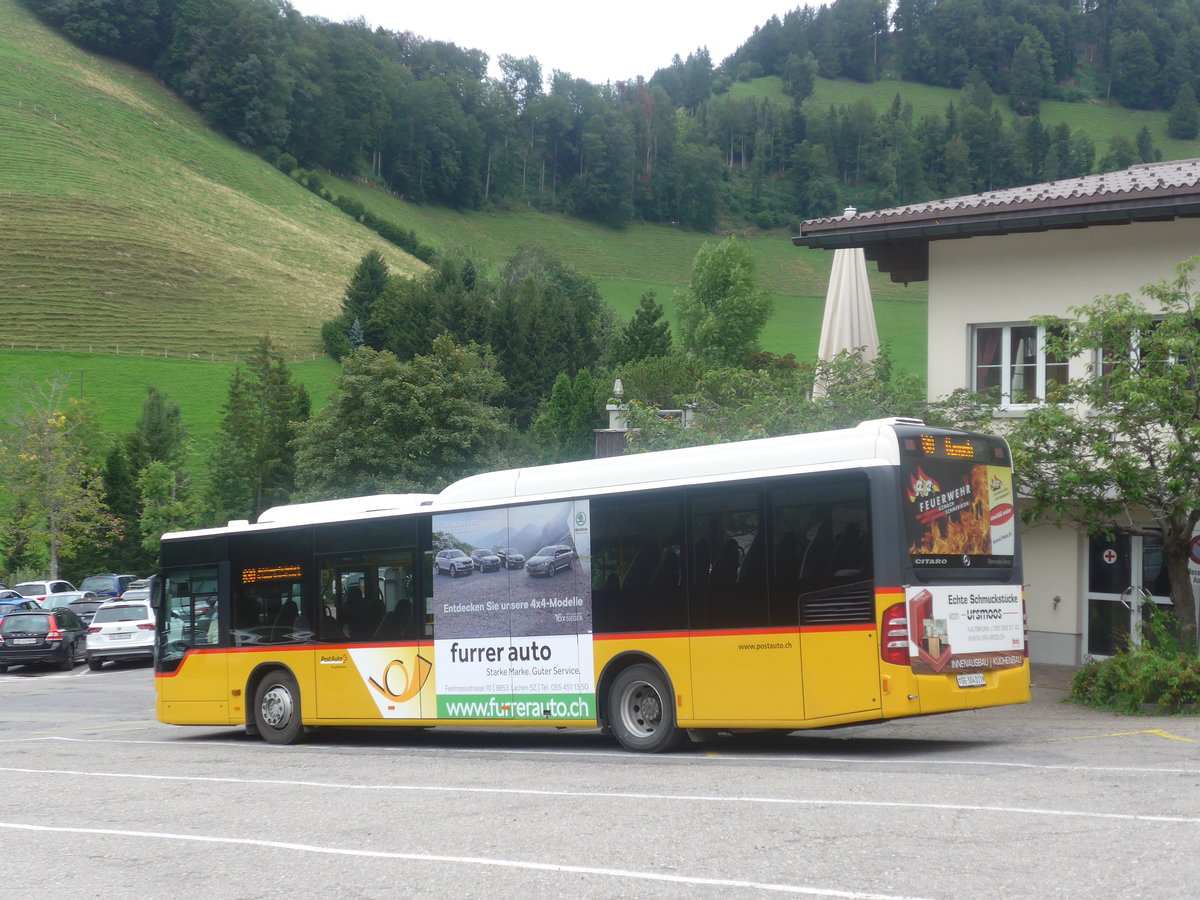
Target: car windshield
19,622
31,588
545,551
98,583
8,607
455,554
132,613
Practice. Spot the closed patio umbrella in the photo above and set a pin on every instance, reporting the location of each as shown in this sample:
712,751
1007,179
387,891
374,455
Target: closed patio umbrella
849,321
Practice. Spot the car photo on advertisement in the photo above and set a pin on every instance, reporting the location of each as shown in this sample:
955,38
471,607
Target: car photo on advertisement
511,558
453,563
550,559
485,560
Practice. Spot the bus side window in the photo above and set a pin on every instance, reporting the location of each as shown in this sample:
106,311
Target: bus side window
636,563
728,589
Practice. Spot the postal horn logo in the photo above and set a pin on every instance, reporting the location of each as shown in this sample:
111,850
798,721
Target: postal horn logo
921,485
400,684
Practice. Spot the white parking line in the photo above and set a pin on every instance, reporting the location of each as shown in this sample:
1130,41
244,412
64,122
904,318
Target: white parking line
248,746
469,861
614,795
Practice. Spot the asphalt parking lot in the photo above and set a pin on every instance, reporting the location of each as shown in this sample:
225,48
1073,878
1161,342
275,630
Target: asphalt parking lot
1043,800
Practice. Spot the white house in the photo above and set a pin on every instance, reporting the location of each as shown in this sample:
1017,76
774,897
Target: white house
993,261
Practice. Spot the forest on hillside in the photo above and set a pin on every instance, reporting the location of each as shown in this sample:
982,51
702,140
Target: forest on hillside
423,118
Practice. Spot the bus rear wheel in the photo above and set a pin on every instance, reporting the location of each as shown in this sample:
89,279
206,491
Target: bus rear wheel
277,708
641,711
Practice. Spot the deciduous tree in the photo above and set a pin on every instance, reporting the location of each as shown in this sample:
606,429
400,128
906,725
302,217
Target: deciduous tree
49,460
1118,452
403,426
722,312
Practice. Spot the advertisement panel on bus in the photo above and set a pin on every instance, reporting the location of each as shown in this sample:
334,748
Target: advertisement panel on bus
516,643
960,514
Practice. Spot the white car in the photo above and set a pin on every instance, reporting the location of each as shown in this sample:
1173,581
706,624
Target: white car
137,590
40,590
120,629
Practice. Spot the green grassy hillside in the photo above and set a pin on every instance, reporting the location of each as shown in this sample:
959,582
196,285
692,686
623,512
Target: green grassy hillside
1102,121
125,222
139,248
629,261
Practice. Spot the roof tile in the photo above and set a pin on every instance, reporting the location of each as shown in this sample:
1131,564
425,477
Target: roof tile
1166,179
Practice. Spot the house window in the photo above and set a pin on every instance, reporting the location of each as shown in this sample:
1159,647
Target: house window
1011,364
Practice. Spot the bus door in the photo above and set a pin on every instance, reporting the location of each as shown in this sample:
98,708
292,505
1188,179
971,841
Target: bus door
745,666
187,625
830,514
368,662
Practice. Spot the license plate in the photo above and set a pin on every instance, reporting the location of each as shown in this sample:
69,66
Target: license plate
120,637
25,641
971,679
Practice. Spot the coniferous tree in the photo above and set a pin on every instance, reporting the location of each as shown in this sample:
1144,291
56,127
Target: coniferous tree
647,334
1184,122
253,464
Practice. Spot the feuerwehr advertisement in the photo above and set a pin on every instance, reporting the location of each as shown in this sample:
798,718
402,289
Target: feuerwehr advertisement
959,516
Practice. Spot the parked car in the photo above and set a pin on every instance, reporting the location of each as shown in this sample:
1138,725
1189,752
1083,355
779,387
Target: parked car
485,560
108,585
82,603
16,603
10,594
550,559
452,563
121,629
40,590
49,635
511,558
137,590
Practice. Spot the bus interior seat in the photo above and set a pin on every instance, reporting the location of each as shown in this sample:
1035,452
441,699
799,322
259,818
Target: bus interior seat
725,565
395,623
666,576
362,615
754,566
701,561
814,570
330,629
788,553
851,554
288,610
641,568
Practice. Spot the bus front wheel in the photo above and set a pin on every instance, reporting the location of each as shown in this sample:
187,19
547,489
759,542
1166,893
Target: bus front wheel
277,708
641,711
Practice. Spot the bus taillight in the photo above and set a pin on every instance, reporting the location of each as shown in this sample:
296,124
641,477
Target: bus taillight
893,646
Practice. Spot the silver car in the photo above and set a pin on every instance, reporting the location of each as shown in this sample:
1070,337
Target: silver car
453,563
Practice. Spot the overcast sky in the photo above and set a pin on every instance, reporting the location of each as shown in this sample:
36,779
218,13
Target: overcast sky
613,40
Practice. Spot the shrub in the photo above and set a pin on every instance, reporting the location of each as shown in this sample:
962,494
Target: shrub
1157,674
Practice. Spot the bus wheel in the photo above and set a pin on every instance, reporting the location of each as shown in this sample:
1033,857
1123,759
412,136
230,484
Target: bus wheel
641,712
277,708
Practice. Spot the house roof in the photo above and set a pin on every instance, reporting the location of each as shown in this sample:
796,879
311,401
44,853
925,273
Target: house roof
897,238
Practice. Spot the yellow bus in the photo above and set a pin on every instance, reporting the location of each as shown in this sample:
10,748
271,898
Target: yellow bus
786,583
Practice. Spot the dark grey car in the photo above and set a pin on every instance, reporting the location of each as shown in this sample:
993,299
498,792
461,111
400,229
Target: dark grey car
549,560
53,635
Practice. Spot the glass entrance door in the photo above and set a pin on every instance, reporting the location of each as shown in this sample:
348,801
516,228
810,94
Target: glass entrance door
1125,574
